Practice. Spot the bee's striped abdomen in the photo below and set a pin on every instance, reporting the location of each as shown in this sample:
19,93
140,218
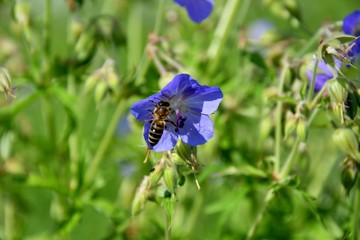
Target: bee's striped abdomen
156,130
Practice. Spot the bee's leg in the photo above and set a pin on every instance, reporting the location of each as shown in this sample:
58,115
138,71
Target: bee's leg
151,111
155,104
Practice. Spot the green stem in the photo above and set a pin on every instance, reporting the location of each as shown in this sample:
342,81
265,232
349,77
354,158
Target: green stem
356,213
50,120
254,227
11,230
168,228
158,20
169,60
278,127
47,25
145,61
318,96
290,160
228,16
283,174
73,141
313,40
104,144
46,38
313,79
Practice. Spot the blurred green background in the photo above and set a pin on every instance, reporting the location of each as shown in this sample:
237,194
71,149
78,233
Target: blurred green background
71,154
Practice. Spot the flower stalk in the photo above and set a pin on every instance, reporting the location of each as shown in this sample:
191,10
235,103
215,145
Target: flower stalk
228,16
279,122
283,174
104,144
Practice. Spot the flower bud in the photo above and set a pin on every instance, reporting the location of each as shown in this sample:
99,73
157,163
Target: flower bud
22,13
76,29
138,203
185,151
5,82
290,125
338,90
156,174
349,174
104,80
170,178
85,45
100,91
141,196
302,129
347,141
177,160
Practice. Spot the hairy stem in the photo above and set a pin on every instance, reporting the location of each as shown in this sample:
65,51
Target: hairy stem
313,79
278,127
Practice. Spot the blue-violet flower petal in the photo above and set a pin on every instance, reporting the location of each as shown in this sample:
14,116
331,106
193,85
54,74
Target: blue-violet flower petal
198,10
189,106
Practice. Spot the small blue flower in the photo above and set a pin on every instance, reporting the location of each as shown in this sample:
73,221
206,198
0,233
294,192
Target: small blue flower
259,30
189,106
351,26
198,10
324,73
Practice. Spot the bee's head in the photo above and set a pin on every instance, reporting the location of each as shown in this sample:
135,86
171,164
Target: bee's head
163,104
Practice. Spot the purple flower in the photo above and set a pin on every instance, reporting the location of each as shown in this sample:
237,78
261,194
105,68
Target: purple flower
183,106
198,10
323,74
351,26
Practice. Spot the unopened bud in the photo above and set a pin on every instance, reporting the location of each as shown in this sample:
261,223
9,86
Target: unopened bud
5,82
138,203
186,152
290,124
338,90
141,196
85,44
76,28
346,140
302,129
170,178
104,80
338,110
22,13
100,91
156,174
349,174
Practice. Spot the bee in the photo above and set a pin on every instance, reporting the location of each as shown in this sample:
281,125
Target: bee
161,114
